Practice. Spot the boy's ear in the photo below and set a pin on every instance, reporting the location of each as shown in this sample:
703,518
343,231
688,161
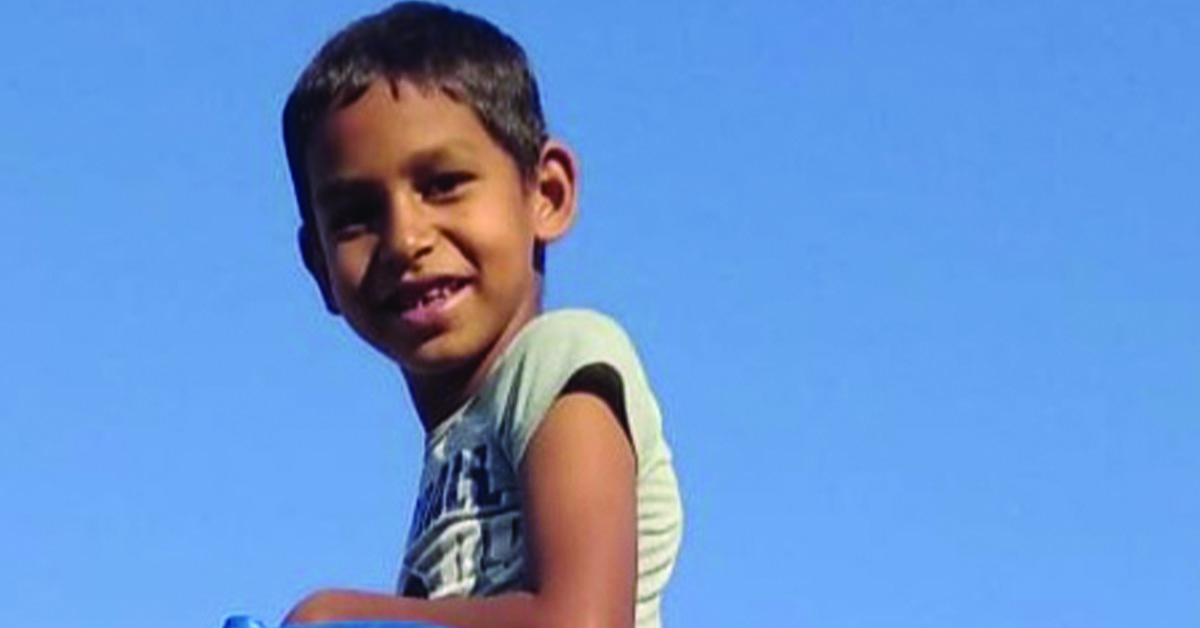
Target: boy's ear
314,261
556,190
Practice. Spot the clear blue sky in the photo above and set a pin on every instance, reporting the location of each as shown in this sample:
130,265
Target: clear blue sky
916,284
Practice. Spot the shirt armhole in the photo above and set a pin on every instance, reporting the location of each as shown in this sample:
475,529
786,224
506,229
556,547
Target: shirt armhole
604,381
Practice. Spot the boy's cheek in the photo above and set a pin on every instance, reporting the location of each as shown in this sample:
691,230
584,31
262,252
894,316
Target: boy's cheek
347,268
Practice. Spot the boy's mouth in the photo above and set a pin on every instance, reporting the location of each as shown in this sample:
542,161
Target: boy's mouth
426,296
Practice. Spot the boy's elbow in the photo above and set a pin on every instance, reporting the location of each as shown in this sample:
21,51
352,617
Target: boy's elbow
321,607
597,621
594,621
587,616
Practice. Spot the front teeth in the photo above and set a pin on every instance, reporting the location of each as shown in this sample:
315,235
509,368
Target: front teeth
436,293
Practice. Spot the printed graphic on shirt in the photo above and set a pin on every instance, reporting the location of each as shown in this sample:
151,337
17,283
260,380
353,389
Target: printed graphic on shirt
466,536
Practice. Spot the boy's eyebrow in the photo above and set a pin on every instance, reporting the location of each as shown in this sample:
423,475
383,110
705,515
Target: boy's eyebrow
440,153
333,190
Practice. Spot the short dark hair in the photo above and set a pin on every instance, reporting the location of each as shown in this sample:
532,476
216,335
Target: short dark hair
466,57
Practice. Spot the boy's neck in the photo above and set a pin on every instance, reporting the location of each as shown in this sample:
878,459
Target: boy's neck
437,396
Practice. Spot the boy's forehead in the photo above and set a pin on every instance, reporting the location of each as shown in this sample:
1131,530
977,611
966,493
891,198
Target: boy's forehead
394,119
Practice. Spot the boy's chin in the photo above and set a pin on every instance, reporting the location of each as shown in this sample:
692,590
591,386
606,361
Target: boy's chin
434,357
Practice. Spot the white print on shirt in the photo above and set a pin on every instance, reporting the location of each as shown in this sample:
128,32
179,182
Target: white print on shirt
471,502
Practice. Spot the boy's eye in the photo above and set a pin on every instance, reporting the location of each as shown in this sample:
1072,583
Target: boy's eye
443,185
349,209
349,219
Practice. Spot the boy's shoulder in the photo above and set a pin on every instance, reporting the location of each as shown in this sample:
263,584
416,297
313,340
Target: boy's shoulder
556,344
558,350
571,326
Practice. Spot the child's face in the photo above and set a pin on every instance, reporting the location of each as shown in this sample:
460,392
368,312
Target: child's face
426,227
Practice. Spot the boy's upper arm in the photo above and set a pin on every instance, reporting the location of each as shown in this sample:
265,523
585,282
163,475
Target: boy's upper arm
578,483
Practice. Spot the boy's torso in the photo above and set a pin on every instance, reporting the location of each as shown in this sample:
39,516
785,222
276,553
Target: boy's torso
466,537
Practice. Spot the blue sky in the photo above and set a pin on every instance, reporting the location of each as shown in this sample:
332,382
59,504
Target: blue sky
916,284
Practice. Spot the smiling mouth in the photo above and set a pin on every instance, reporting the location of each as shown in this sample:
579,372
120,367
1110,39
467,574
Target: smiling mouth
427,295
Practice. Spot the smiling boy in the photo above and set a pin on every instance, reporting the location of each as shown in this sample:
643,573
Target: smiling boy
428,190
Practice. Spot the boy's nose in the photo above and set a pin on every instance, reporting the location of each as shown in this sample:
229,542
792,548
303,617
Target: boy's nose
408,233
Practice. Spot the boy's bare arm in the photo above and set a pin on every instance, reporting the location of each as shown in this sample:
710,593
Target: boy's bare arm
578,480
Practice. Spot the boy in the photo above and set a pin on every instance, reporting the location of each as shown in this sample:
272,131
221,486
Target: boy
428,189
